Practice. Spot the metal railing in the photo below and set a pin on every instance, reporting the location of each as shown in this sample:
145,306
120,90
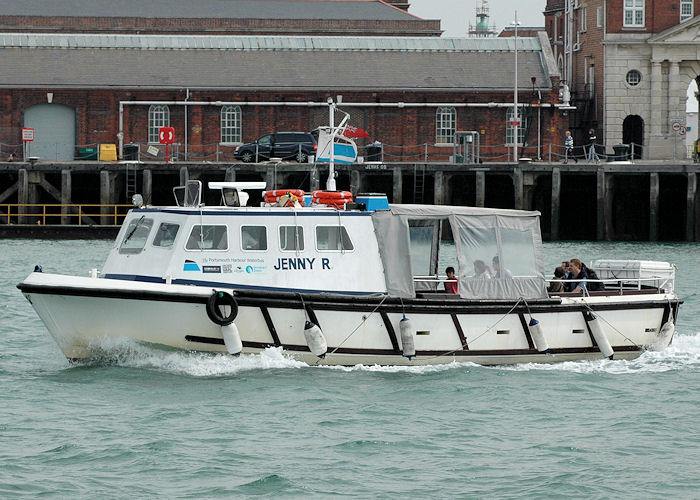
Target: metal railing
385,152
62,213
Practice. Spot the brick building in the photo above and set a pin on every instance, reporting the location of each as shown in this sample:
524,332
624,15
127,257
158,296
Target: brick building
628,65
223,73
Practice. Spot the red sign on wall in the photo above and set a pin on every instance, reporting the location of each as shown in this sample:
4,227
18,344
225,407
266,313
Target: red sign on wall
27,134
166,135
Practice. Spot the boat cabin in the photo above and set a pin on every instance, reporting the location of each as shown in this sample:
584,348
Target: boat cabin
398,251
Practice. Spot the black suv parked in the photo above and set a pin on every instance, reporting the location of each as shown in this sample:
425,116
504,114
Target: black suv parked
286,145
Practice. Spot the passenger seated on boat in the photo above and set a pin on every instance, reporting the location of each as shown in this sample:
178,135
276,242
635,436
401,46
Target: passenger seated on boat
497,271
481,270
556,285
451,286
578,274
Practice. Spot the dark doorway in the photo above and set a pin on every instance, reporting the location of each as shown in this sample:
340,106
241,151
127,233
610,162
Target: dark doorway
633,133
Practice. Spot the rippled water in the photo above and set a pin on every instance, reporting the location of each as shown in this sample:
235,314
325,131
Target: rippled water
143,422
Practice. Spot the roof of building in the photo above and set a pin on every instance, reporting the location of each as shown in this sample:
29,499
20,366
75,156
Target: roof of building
236,9
266,62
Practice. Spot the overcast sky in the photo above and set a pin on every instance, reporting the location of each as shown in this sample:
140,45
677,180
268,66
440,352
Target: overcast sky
456,15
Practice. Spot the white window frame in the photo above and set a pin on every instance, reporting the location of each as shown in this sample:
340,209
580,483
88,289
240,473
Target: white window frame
521,128
231,124
599,17
158,116
445,123
633,14
583,14
686,5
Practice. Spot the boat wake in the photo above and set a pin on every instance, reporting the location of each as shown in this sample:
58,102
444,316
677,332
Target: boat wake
682,354
129,353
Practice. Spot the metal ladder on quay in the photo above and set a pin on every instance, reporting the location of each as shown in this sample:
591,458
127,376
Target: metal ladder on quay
130,182
418,183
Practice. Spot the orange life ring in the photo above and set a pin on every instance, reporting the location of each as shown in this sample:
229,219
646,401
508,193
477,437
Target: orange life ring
331,203
332,195
278,193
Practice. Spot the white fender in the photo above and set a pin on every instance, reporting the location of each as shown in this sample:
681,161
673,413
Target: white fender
408,347
599,336
232,338
538,336
663,338
315,339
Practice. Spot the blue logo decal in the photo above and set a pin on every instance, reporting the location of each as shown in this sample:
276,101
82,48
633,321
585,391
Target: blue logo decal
190,265
249,269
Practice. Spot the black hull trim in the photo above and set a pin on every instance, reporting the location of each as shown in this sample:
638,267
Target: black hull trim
388,352
330,302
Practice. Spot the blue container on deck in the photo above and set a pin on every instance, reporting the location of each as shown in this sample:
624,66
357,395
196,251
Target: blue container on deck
307,200
373,201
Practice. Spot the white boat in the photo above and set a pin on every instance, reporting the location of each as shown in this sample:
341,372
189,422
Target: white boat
347,284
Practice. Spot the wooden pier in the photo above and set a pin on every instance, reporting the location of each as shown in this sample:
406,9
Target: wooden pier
644,200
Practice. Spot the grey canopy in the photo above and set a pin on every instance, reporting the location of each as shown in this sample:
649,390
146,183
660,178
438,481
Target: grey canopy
505,244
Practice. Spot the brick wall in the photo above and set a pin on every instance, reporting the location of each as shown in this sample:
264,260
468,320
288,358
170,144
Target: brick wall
658,16
97,116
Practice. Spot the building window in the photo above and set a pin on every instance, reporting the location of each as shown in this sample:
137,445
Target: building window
230,124
521,128
599,17
446,124
634,13
158,116
633,77
686,9
584,19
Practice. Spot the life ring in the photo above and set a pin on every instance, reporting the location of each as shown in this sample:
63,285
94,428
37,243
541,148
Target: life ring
218,299
330,203
277,193
332,195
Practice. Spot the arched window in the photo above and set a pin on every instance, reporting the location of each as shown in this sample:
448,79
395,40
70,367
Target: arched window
445,125
230,124
158,116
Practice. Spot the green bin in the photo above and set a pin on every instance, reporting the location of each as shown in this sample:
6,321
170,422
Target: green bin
87,154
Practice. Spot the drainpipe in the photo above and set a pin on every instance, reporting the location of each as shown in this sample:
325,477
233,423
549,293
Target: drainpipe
187,97
120,135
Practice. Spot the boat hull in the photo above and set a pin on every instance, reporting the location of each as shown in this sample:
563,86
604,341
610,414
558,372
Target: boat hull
80,313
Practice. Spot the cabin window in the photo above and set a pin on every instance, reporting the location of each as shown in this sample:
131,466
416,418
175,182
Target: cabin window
480,246
291,238
207,237
136,235
332,238
422,240
165,236
253,237
518,252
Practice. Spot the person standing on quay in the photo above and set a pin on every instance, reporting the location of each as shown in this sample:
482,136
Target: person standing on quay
592,155
569,148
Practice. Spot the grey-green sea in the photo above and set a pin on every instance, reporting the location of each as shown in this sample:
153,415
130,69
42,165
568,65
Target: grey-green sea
142,422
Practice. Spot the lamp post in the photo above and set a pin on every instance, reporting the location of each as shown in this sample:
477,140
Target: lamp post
516,117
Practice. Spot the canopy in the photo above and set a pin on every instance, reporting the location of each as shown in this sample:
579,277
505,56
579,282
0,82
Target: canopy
499,252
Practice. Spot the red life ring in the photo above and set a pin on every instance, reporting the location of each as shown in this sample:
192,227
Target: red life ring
330,203
332,195
277,193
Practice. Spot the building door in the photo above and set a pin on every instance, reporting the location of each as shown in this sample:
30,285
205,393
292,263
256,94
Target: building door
54,131
633,133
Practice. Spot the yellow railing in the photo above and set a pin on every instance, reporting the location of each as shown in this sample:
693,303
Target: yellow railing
39,213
